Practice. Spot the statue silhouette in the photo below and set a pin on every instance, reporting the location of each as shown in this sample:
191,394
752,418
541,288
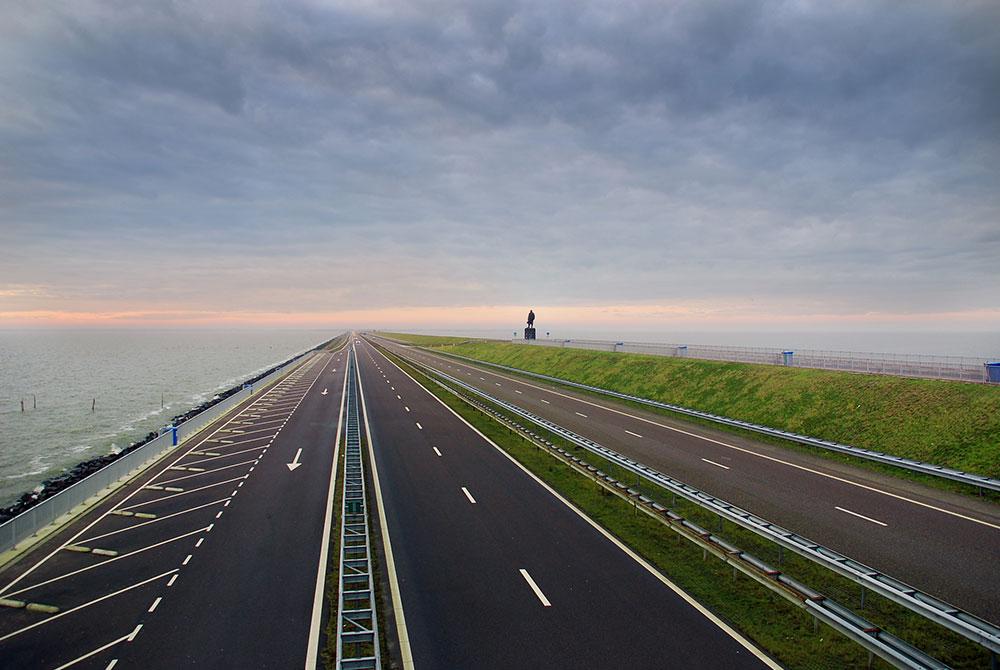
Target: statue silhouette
531,319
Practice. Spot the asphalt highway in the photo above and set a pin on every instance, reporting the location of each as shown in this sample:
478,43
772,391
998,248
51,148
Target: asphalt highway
943,543
209,559
496,571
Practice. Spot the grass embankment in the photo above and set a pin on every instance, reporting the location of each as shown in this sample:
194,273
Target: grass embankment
777,626
952,424
432,340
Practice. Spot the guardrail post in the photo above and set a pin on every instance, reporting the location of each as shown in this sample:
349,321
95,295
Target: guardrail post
173,436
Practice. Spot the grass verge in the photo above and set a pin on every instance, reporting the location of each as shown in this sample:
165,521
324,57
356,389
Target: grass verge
784,631
952,424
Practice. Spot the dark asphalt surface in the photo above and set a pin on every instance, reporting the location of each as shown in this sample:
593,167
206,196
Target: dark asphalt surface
458,563
946,555
223,577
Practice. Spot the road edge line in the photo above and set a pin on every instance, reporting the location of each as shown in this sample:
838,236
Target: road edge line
312,650
729,630
397,598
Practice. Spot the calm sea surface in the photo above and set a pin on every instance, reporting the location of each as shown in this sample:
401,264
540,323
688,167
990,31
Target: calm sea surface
128,372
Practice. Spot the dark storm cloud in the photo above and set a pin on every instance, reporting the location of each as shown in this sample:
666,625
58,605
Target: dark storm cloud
839,154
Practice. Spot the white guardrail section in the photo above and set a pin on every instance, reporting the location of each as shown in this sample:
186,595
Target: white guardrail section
357,618
953,618
35,518
969,478
926,366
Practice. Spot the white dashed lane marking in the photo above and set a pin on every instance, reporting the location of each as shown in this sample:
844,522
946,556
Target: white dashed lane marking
861,516
534,587
718,465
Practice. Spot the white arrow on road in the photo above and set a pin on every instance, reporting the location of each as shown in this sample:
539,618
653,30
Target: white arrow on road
295,461
324,392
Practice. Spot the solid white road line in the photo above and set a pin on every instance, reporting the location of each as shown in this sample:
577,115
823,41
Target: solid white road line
534,587
718,465
110,560
233,453
633,434
751,452
96,651
107,512
207,472
88,604
468,495
436,451
189,491
90,540
312,651
861,516
397,603
749,646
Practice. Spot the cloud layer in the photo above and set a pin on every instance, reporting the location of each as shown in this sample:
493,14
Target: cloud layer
265,157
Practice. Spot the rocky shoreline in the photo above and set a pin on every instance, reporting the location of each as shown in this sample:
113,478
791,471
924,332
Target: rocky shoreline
54,485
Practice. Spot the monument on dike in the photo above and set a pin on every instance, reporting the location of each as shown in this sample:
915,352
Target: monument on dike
529,332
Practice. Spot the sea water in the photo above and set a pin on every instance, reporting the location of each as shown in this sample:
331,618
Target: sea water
124,375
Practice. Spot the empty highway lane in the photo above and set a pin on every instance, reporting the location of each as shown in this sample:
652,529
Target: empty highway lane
496,571
909,531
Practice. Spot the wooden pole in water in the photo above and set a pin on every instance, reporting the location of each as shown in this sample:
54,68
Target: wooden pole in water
93,405
22,405
34,401
161,399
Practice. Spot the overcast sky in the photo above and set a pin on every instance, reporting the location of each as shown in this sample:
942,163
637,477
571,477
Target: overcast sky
369,163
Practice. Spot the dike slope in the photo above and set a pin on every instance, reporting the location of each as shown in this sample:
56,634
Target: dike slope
953,424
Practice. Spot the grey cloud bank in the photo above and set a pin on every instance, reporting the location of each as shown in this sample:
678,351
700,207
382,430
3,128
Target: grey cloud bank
820,157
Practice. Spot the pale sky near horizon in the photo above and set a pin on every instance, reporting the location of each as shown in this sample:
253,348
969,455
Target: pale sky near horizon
693,164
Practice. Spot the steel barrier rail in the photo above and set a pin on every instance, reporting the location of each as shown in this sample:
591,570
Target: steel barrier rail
969,478
38,516
887,646
357,618
896,651
934,609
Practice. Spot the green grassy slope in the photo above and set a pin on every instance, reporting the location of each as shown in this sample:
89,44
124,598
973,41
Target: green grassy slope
948,423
